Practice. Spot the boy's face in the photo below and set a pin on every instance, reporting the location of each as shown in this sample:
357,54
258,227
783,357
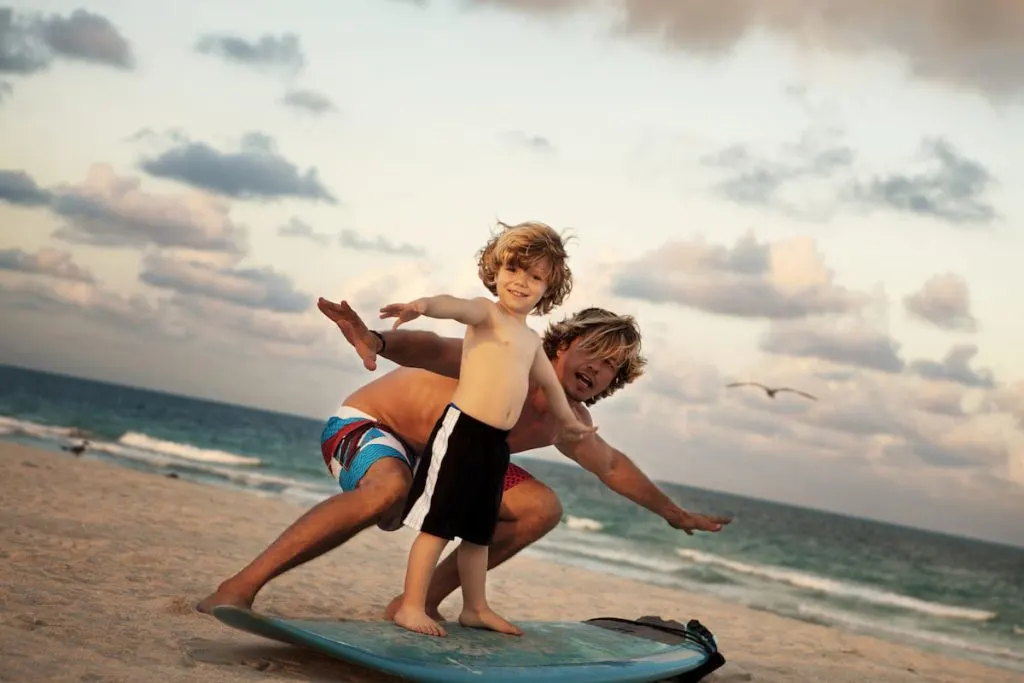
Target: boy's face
520,287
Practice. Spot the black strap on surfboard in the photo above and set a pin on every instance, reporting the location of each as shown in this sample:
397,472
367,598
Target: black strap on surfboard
670,632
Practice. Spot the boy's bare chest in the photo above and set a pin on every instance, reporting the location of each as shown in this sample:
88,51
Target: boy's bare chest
515,340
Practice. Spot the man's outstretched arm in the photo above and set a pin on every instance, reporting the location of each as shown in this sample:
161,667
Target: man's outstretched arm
620,474
409,348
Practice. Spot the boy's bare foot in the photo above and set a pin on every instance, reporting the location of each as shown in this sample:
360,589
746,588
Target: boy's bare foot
418,621
488,619
224,596
392,609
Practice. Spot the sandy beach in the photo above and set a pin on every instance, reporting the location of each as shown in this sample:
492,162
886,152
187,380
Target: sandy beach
100,566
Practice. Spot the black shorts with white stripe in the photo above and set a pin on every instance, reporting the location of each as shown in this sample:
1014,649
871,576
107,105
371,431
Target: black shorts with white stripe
456,490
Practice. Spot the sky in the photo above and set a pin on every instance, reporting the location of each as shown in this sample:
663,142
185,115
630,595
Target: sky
820,198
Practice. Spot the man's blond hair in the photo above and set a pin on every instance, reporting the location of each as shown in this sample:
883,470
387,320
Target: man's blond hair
524,245
604,335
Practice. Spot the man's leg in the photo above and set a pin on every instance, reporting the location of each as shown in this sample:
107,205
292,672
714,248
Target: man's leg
321,529
529,510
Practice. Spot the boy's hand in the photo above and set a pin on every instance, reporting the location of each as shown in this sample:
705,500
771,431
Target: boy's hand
404,312
575,430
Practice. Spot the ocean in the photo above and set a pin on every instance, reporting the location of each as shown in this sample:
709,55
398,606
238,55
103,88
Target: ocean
937,592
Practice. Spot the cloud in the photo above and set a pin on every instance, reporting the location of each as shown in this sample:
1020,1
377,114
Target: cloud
941,398
256,171
86,298
6,89
955,367
108,210
853,345
955,189
256,288
691,383
254,324
381,245
298,228
759,180
983,55
943,301
18,187
883,425
534,143
781,280
310,101
539,7
268,51
30,42
88,37
57,264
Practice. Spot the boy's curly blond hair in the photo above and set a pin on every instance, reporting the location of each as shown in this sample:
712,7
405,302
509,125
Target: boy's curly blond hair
523,245
604,335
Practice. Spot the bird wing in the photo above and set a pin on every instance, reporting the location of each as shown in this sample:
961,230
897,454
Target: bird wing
797,391
746,384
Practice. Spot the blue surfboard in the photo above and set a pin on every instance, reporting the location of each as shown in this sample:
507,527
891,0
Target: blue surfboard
606,650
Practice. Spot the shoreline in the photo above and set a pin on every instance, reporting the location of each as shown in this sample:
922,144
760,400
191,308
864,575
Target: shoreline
102,564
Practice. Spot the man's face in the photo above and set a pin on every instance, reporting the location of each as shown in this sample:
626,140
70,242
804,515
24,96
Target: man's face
583,376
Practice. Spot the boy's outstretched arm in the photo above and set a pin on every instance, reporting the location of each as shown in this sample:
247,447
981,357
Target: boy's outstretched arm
470,312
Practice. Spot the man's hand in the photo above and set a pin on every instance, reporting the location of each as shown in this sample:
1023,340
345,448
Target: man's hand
403,312
355,331
694,521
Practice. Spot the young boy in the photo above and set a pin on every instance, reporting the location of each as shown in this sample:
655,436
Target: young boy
456,491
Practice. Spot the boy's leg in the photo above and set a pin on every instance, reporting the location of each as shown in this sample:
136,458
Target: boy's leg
529,510
472,562
423,556
321,529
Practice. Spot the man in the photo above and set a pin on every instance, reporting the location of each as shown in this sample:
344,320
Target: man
594,352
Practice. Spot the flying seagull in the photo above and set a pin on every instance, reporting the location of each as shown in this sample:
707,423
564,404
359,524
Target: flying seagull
772,391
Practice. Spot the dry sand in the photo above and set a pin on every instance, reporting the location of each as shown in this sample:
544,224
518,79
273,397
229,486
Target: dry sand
99,567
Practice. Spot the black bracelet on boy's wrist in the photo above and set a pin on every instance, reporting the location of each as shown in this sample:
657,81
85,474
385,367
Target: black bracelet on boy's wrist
383,345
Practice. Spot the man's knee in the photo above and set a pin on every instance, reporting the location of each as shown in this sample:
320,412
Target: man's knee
386,485
533,503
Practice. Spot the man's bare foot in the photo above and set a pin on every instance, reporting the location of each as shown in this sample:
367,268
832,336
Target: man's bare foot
223,596
417,620
488,619
396,604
